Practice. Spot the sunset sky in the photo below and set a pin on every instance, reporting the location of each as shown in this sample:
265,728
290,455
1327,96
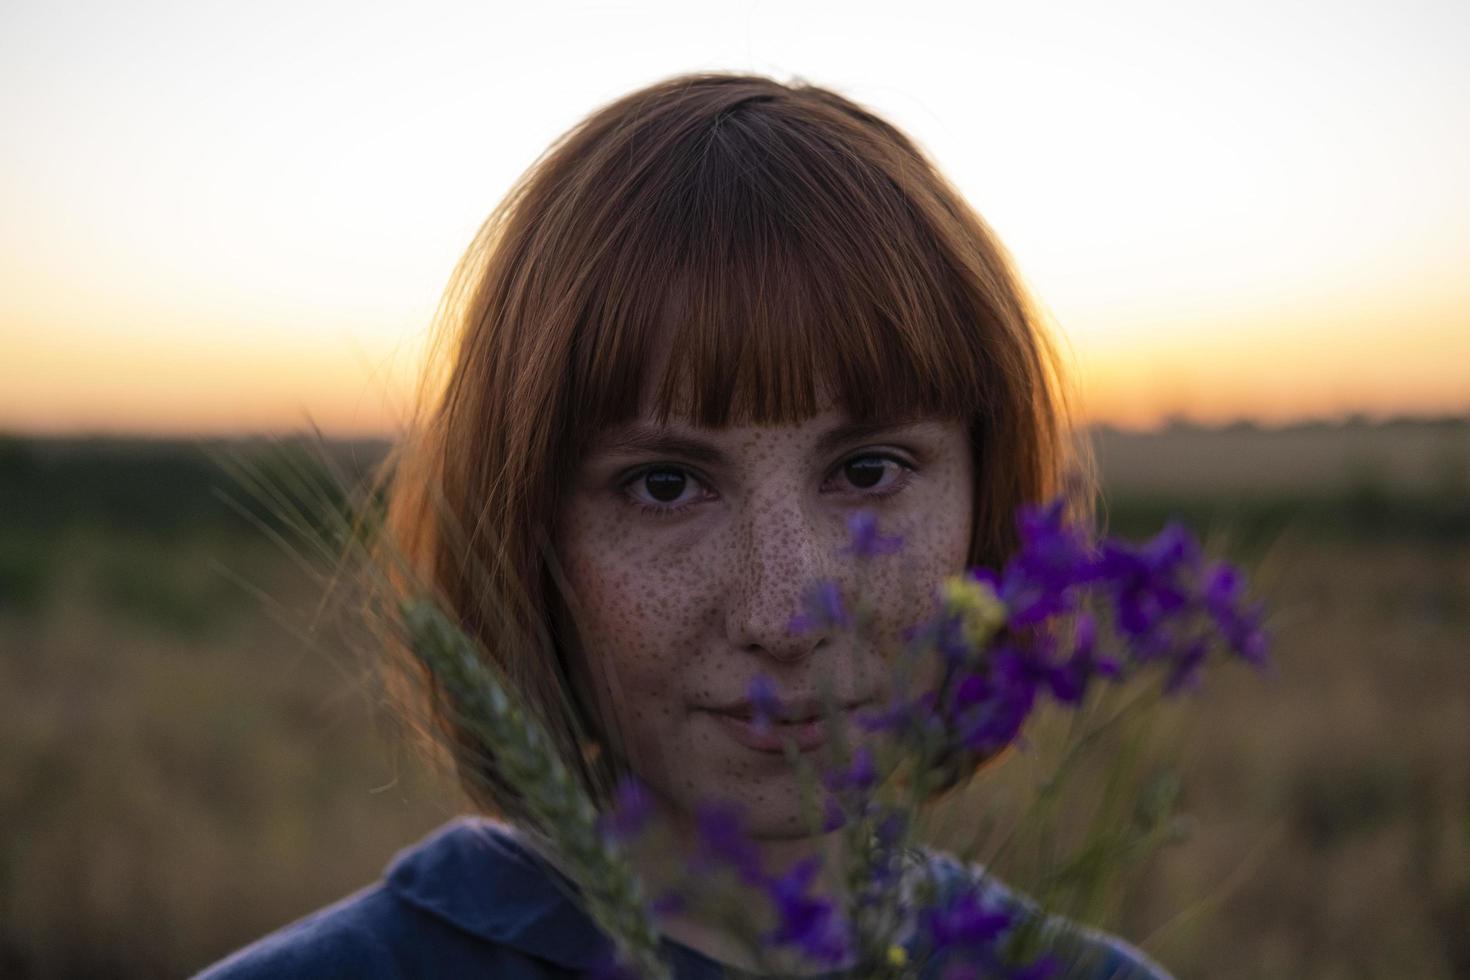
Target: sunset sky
223,217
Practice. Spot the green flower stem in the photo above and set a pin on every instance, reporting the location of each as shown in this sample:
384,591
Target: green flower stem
526,755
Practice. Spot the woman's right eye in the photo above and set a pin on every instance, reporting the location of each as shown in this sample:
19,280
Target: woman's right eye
659,490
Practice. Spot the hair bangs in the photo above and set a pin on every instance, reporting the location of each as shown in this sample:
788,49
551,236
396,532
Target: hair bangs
761,285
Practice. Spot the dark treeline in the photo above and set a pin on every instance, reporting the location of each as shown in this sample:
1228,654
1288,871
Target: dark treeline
163,486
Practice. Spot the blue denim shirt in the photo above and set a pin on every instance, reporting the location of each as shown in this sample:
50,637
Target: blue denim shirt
472,901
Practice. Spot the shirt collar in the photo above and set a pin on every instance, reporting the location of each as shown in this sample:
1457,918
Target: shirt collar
474,874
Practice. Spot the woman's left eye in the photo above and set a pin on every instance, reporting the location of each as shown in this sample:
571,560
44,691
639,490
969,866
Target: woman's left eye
873,470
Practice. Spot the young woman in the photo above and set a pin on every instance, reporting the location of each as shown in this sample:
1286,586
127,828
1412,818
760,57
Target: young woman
714,321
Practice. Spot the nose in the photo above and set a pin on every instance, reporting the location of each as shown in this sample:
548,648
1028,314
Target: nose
778,554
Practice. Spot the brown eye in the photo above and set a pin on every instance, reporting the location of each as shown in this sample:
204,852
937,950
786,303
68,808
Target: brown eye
664,490
865,471
665,486
874,475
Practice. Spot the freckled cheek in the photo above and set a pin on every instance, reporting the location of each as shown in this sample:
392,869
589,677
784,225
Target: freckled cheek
898,600
902,586
647,636
643,619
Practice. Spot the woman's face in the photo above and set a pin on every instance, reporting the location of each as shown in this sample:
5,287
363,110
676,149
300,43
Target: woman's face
689,550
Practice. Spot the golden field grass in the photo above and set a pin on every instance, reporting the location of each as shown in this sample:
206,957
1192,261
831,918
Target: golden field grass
189,757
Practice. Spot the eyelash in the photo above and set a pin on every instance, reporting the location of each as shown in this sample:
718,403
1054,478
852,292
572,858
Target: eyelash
907,471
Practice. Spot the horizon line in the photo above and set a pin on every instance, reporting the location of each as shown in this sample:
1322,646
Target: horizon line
1170,422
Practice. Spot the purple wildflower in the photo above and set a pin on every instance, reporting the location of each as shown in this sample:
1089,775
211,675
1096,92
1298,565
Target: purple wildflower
1070,679
1054,557
631,811
810,924
1149,584
764,701
989,705
1240,622
1184,674
823,609
1173,546
967,922
866,540
833,816
901,716
886,863
943,632
970,932
1155,591
995,721
1152,596
890,828
861,776
1222,588
723,840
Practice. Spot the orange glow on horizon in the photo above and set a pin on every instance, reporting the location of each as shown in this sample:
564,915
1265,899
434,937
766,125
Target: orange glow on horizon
1266,370
1229,214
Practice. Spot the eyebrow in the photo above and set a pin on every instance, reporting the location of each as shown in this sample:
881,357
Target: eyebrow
641,438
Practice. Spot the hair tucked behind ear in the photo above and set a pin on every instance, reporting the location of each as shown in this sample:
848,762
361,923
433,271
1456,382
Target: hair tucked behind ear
771,237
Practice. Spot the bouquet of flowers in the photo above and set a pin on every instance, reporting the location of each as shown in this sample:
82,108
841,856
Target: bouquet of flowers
1063,616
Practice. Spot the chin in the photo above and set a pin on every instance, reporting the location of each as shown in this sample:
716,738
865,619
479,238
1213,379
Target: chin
784,819
788,829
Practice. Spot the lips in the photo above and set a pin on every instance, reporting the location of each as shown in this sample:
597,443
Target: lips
793,711
802,722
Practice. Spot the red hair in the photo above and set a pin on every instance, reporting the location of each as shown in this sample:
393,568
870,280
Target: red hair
771,237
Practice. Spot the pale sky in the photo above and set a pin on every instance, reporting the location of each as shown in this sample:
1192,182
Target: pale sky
223,216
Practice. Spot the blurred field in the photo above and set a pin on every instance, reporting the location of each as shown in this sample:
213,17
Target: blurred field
190,758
